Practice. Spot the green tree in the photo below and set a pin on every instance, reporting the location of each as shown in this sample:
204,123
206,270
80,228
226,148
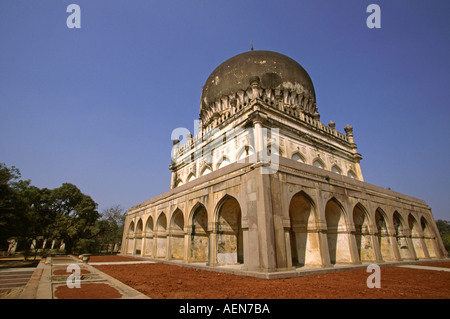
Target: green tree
40,214
444,229
111,224
12,207
27,212
75,216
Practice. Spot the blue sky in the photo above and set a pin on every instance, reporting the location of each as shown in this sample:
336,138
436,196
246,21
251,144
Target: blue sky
96,106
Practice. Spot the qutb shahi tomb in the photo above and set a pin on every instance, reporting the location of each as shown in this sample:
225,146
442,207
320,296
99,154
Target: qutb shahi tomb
264,186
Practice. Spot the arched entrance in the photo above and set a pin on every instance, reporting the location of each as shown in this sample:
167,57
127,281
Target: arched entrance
416,237
429,238
363,237
199,240
161,236
400,235
177,235
149,236
229,232
130,239
138,237
304,238
337,233
384,240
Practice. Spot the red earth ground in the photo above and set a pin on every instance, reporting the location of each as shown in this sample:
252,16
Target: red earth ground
163,281
87,291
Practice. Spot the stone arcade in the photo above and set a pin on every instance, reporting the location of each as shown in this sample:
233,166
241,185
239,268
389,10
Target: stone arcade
228,204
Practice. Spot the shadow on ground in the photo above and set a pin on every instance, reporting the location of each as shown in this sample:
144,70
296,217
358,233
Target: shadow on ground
17,263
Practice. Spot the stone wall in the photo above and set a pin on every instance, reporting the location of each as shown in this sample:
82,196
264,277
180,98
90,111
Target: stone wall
300,216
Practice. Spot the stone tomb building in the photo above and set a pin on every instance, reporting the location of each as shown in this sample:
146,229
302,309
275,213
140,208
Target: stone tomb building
265,185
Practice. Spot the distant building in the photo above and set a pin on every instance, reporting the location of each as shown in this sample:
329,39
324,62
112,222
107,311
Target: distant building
265,184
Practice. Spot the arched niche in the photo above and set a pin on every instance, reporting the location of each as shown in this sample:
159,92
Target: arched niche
337,233
199,236
161,236
304,238
177,235
229,232
363,238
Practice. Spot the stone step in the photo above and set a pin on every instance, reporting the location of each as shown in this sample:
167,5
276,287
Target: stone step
27,275
9,279
13,284
14,277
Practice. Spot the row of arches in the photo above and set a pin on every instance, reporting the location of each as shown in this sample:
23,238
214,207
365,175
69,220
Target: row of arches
221,162
336,235
249,151
191,238
373,237
318,162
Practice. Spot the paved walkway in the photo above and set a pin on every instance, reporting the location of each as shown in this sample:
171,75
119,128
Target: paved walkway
424,267
11,278
53,273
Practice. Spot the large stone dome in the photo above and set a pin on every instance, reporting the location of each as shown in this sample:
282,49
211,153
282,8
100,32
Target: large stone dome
273,69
